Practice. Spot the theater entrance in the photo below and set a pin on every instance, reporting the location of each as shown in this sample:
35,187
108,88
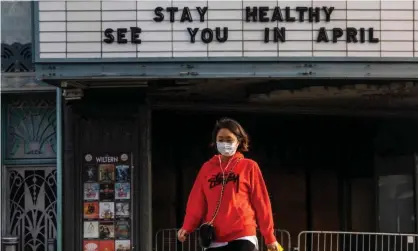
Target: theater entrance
327,154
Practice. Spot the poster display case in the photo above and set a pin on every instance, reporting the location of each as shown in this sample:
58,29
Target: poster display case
107,215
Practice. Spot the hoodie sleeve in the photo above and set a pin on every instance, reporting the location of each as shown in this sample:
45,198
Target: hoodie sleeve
196,205
261,202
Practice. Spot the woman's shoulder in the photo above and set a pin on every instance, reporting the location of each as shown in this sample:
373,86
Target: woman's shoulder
250,162
206,166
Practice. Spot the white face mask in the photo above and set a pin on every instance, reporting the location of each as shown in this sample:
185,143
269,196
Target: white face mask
227,149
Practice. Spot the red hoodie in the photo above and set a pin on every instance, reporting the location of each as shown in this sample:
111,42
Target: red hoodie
245,200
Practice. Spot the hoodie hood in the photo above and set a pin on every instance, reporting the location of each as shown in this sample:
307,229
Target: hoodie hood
215,159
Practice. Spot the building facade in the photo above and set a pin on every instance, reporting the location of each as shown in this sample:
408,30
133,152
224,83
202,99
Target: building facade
29,195
122,68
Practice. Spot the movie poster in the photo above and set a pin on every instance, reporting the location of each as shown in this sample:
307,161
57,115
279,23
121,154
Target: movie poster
90,245
107,210
122,230
106,173
91,191
107,192
122,210
123,173
91,230
91,210
108,245
90,173
122,191
123,245
106,230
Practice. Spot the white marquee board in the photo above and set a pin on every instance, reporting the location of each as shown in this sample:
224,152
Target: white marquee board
76,29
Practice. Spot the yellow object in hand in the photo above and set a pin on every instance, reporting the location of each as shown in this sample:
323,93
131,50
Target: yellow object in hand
275,247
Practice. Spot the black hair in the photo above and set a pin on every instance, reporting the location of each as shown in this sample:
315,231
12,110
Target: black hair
236,129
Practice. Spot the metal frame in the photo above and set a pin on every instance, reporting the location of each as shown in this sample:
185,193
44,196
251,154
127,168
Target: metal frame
5,161
234,67
323,240
164,70
5,182
3,169
169,236
415,177
28,76
59,165
257,108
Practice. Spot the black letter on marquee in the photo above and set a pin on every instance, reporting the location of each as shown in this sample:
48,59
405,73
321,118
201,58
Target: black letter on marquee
266,35
202,13
207,35
121,35
362,35
351,35
336,33
279,34
313,14
262,12
372,39
289,17
186,15
159,16
218,35
322,35
172,10
301,11
109,37
193,34
135,35
328,12
250,13
277,15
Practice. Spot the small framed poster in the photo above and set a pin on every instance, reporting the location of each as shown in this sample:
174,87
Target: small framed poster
91,210
122,210
90,245
107,192
122,191
106,230
123,174
90,173
106,173
107,245
122,230
123,245
91,230
91,191
107,210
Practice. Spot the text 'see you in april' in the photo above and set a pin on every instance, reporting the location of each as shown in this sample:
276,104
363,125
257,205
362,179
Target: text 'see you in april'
252,14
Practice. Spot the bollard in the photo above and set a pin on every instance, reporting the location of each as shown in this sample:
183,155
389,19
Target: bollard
51,245
10,243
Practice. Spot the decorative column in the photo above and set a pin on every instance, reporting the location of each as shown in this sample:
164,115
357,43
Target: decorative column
416,191
144,178
69,219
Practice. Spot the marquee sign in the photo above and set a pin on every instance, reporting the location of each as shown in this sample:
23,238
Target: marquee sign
235,28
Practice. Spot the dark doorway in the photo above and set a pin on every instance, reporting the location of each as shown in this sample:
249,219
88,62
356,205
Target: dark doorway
316,167
93,126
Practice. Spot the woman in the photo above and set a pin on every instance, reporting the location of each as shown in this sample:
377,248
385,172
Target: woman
244,201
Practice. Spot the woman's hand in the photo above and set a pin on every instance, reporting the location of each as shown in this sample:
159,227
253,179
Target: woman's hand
182,235
275,246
